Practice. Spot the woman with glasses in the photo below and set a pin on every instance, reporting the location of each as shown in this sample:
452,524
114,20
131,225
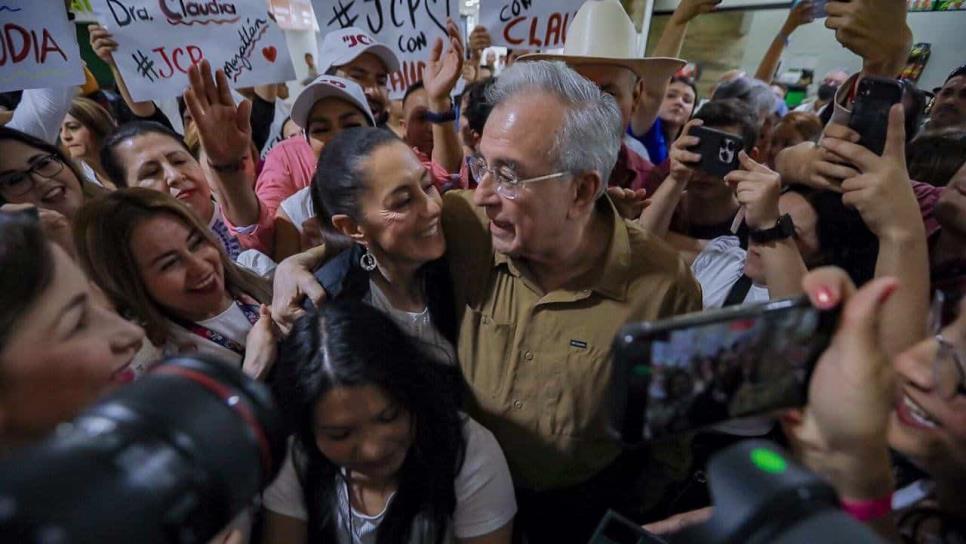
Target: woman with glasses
34,173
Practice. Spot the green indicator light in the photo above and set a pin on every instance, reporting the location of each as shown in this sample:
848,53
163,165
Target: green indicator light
768,460
641,370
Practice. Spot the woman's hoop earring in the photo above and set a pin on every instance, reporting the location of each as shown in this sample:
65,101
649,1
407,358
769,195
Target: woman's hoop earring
367,261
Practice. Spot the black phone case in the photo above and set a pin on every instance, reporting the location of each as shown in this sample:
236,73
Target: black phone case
870,111
629,388
718,150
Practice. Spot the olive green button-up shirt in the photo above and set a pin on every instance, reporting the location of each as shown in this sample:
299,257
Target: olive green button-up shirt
539,364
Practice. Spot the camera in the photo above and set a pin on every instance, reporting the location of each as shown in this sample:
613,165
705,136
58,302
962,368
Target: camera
760,496
170,458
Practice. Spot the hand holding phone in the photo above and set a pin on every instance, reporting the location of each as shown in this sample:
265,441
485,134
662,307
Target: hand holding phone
718,149
874,98
697,370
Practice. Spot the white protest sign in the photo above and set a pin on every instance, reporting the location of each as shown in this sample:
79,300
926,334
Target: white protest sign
408,27
158,40
38,46
528,24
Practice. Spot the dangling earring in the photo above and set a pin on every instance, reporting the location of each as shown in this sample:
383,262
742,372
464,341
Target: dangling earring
367,261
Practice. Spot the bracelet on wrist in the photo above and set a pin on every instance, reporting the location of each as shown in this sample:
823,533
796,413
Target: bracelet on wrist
227,168
868,510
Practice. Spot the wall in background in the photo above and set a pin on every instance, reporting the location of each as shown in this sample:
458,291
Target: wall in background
814,46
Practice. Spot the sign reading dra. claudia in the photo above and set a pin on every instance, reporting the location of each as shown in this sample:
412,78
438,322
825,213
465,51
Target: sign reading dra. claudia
158,40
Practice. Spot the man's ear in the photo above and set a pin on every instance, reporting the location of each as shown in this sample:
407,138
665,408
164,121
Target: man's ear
638,94
348,226
586,190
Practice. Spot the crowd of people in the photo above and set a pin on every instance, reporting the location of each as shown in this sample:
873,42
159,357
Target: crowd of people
431,286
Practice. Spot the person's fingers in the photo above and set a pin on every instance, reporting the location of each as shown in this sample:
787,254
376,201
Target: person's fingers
690,124
859,324
842,132
313,291
827,287
223,90
859,156
895,146
675,523
822,183
197,87
194,106
854,198
208,83
243,116
835,9
750,164
437,51
685,142
834,171
687,156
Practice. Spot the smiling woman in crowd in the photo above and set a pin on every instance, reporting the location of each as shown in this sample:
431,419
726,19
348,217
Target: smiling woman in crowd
58,341
36,174
163,269
378,454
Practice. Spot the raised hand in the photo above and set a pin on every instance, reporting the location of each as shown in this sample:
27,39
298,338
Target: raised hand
689,9
683,161
875,30
103,43
629,203
223,127
841,434
803,13
444,69
479,40
757,189
880,190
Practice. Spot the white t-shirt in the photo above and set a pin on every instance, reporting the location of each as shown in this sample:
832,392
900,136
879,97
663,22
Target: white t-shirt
719,265
484,493
299,208
231,323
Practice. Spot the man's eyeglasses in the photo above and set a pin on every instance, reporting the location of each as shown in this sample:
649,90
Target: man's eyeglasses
16,184
508,184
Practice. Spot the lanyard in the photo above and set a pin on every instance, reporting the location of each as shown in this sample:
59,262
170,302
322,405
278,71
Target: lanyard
251,313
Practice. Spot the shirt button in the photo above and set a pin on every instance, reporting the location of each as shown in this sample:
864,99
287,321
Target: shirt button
528,356
518,404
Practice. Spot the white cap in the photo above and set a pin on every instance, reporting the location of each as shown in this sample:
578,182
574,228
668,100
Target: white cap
325,87
344,46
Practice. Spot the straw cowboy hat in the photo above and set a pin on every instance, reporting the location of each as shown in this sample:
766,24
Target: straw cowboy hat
602,33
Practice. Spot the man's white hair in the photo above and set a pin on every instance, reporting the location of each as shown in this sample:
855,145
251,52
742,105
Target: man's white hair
589,138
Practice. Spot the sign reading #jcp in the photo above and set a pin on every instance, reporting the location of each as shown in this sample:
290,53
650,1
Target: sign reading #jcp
158,40
409,27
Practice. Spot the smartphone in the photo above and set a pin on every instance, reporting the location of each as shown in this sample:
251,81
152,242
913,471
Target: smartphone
718,150
874,98
616,529
818,8
694,371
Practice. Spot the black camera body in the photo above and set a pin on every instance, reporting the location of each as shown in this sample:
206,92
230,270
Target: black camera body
170,458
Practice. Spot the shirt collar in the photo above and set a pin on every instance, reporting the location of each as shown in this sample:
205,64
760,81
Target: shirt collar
613,269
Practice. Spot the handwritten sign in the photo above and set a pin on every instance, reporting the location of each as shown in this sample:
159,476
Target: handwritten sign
294,14
38,46
528,24
158,40
408,27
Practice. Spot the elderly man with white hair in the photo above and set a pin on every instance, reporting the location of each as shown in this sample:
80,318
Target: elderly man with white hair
546,272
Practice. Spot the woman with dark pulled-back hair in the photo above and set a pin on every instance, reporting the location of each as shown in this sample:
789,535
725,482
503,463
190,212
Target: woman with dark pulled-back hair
379,456
372,193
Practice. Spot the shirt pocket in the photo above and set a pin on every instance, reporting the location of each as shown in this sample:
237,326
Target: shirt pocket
581,388
484,353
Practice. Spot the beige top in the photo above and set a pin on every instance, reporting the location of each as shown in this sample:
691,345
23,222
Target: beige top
539,363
